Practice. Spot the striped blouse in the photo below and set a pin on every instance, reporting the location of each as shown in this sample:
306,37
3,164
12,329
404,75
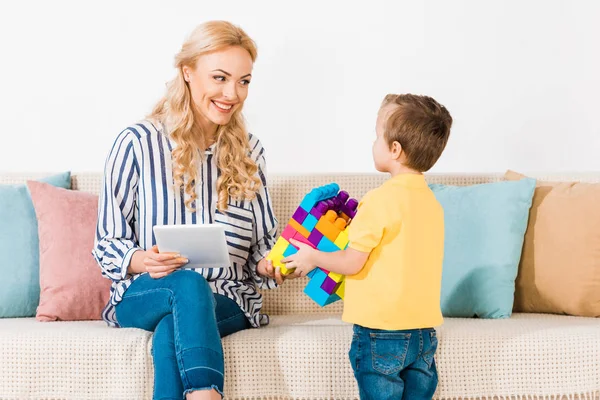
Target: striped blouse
138,193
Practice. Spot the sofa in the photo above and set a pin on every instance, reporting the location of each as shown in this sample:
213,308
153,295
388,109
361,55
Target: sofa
302,353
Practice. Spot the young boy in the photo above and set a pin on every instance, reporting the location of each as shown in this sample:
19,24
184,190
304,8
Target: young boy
393,263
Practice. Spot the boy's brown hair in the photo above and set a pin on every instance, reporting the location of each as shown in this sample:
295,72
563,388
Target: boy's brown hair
421,125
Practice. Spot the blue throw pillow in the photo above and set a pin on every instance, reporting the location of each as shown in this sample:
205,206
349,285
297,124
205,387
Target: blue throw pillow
19,246
484,230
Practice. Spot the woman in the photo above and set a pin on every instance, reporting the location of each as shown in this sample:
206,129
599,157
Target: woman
191,162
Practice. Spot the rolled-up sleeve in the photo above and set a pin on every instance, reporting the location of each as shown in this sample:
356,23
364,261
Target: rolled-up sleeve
265,223
115,240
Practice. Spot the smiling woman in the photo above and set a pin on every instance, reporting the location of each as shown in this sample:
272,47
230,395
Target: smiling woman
192,161
203,104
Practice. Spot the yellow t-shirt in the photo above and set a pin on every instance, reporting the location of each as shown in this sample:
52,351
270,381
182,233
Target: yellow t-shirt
401,225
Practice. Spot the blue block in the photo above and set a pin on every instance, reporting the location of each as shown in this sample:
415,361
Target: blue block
318,194
319,296
318,276
310,222
327,245
311,273
290,250
332,298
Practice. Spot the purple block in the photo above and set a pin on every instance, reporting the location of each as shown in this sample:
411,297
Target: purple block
315,237
329,285
300,215
343,196
319,210
316,213
352,204
350,208
337,203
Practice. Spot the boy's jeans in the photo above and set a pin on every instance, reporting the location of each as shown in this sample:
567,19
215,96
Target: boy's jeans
394,364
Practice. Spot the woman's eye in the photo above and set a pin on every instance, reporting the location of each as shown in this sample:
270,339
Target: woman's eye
219,78
245,82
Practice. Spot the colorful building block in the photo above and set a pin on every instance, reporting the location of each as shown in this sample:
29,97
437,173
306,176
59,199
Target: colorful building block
342,240
310,222
280,246
304,240
315,237
300,215
349,209
320,221
314,291
319,210
291,250
327,245
341,290
288,232
328,227
318,277
318,194
329,285
336,277
284,270
299,228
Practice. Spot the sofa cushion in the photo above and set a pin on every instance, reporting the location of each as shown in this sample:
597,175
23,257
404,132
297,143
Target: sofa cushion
73,360
484,229
19,266
306,357
71,284
559,271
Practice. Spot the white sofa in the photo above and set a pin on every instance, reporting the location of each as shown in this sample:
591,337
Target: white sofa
302,354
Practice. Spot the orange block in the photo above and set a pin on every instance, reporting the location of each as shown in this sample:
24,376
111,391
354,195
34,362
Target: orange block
329,226
340,223
299,228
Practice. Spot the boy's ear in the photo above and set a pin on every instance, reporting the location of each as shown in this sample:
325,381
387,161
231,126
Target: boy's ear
396,150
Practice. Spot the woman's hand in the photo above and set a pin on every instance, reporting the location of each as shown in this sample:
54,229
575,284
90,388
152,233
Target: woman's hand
156,264
265,268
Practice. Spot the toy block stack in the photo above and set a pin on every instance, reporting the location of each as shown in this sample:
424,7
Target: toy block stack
321,221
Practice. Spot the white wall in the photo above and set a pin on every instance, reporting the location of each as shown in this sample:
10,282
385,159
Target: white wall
521,78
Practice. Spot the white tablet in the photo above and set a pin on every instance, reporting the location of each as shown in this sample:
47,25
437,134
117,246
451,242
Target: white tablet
204,245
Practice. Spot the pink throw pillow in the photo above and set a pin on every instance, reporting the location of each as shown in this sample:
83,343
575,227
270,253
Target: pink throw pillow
72,287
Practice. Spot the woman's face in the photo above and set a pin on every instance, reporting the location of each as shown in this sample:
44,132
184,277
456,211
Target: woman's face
219,85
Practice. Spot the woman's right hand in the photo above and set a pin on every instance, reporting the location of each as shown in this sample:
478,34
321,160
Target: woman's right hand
156,264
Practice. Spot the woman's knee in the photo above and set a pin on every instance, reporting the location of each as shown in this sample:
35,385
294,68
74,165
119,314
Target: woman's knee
188,285
187,281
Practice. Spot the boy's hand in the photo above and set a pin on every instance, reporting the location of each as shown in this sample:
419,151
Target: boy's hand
303,260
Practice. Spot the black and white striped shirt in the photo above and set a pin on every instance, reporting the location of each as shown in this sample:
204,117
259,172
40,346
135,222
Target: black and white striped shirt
138,193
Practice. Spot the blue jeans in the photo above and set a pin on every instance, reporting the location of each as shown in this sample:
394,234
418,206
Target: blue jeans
188,321
394,364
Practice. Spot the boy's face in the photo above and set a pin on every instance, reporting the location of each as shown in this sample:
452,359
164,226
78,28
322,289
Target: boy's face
382,155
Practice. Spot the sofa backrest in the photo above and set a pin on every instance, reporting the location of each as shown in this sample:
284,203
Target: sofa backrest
288,190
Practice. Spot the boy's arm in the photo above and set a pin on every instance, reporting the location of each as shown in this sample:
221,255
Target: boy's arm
345,262
365,233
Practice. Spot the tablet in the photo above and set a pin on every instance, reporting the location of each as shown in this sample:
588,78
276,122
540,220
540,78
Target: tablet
204,245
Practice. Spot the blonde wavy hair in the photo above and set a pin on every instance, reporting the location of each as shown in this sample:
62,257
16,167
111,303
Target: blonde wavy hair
176,111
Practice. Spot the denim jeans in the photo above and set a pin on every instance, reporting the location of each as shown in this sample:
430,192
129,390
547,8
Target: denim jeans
188,321
394,364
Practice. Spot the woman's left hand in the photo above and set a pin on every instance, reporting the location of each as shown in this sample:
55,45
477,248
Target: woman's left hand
265,268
